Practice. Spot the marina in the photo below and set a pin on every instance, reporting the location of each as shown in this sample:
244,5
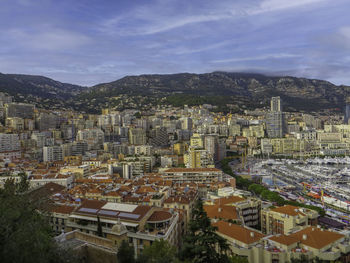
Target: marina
320,182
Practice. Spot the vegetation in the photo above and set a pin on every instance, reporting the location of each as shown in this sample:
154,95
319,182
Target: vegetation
25,233
239,259
240,90
202,243
159,252
125,253
179,100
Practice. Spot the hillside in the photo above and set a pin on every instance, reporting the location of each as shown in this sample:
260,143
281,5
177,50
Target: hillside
226,90
38,86
251,90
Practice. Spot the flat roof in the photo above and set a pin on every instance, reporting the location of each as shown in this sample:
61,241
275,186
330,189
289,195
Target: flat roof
120,207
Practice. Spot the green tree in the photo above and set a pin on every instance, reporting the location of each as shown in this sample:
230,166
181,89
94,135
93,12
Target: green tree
238,259
24,183
159,252
203,244
137,115
125,253
25,233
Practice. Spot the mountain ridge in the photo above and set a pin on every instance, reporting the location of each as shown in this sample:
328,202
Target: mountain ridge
219,87
296,92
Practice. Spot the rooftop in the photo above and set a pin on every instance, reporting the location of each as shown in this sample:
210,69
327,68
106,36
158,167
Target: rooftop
288,210
238,232
316,237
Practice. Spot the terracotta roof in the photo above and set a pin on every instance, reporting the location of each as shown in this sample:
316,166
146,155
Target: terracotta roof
46,190
62,209
159,216
112,193
284,240
288,210
238,232
229,200
141,210
177,199
191,170
94,191
94,204
221,212
145,189
316,238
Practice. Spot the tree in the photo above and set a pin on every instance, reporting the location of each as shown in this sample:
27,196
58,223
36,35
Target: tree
25,233
238,259
24,183
203,244
125,253
137,115
159,252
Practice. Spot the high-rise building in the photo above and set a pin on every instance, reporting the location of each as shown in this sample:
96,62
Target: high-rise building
52,154
198,158
186,123
276,104
275,125
137,136
46,121
5,99
347,111
196,140
9,142
159,136
94,138
20,110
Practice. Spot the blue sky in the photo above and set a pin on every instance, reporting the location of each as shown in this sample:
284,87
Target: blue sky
92,41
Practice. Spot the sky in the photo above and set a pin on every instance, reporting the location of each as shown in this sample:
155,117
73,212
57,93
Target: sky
93,41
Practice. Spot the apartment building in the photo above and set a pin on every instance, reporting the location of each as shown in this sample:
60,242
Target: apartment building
196,175
52,153
308,244
284,219
139,225
247,209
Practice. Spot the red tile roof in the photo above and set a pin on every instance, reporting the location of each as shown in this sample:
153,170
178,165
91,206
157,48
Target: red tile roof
238,232
158,216
221,212
316,237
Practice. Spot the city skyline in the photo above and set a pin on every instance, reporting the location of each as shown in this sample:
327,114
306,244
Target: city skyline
88,44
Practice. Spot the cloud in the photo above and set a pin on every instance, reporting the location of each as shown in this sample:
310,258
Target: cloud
154,26
86,43
278,5
261,57
154,19
49,39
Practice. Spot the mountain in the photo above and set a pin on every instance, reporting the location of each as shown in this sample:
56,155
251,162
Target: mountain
21,86
242,89
224,89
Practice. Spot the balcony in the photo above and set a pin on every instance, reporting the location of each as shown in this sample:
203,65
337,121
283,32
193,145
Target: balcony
298,253
344,247
330,254
161,231
301,221
238,250
90,227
